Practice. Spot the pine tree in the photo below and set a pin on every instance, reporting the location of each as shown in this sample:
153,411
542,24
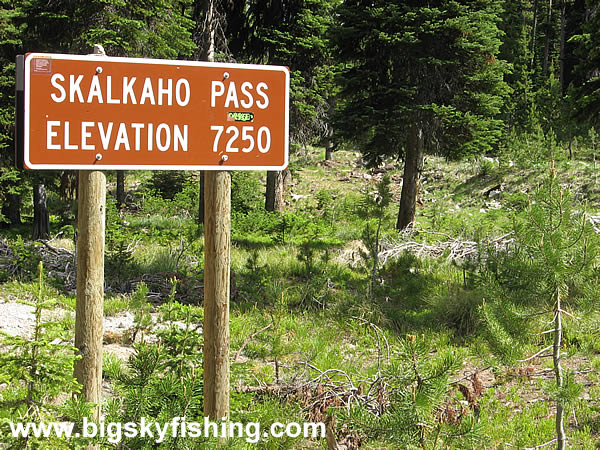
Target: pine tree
561,241
516,50
415,408
292,33
36,371
586,94
554,258
11,182
419,79
152,29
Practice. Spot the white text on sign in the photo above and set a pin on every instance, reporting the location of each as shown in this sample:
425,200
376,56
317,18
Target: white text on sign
137,136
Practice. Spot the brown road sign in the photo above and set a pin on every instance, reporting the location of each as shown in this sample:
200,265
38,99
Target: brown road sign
97,113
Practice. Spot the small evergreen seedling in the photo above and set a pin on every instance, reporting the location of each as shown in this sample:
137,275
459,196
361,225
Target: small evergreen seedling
559,241
375,207
36,370
545,273
142,320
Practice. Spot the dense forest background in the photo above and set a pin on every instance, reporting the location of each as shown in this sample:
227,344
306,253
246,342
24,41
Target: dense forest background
463,76
423,275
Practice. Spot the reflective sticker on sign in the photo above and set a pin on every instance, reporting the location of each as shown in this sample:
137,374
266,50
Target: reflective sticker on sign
240,117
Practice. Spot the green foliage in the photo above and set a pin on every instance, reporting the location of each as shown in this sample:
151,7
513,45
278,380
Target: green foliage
516,50
167,183
433,65
586,93
417,385
457,307
374,208
557,249
163,380
559,240
568,393
24,258
161,210
327,204
142,321
155,29
277,346
11,182
296,36
112,367
534,148
506,329
152,390
291,226
554,254
441,64
36,371
245,193
119,261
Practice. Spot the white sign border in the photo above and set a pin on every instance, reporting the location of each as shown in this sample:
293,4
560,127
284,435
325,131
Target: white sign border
57,56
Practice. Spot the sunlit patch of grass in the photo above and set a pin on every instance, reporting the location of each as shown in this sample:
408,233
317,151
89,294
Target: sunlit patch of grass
516,421
114,304
157,258
15,290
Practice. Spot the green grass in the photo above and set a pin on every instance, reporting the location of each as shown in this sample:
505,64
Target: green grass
114,304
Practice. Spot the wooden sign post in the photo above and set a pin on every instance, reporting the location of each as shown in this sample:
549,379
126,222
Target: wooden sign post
217,245
89,312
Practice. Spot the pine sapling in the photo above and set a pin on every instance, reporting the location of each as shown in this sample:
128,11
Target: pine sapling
36,371
558,240
375,207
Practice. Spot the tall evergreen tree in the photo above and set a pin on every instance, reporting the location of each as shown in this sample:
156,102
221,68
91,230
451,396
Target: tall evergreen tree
516,50
586,93
11,182
50,27
152,29
420,78
292,33
295,33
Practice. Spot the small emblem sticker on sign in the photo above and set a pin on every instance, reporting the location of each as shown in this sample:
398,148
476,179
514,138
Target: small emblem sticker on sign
42,65
240,117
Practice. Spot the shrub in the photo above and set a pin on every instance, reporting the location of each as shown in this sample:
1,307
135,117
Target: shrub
246,193
167,183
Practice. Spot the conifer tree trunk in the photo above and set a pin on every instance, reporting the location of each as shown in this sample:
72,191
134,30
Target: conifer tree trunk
41,217
413,166
533,33
329,146
547,38
120,188
275,191
329,150
558,373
